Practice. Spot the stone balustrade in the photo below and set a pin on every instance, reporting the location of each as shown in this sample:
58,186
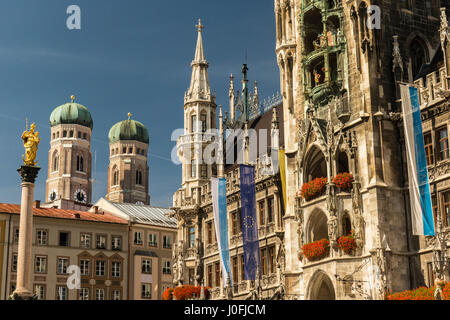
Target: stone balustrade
430,89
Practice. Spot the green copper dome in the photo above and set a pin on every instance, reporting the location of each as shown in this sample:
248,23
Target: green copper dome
128,130
71,113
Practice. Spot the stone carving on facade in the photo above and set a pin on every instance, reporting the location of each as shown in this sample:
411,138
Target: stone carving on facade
395,116
380,263
177,255
440,257
198,266
333,230
439,170
439,92
358,219
445,29
300,229
397,61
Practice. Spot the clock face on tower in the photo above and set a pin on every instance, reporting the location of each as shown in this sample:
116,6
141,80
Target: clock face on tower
80,196
52,196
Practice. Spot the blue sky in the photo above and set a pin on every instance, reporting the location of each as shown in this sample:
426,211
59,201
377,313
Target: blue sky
130,56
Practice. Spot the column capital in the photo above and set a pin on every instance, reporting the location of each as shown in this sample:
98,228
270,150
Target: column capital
28,173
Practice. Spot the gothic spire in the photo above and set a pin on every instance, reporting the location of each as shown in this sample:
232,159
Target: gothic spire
199,88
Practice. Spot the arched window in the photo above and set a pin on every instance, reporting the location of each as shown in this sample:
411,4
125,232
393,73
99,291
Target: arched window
139,177
80,164
203,121
316,165
342,162
346,225
115,175
194,123
317,228
418,55
193,169
55,161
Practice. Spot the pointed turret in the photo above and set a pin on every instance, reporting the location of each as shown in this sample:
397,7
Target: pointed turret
245,93
199,88
232,100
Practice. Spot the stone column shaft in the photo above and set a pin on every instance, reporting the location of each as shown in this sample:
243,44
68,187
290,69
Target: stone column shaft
24,262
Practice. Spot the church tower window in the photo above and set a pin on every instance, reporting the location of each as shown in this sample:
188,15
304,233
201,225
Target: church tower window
80,164
55,161
115,177
139,177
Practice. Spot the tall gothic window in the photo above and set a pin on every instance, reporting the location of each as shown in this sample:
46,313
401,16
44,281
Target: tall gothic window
139,177
193,169
418,55
191,237
115,177
80,164
442,144
428,148
55,161
203,122
194,123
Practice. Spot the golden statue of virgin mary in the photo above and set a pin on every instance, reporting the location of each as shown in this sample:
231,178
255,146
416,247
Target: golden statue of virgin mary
30,142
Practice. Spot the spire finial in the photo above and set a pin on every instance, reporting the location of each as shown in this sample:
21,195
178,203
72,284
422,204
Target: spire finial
129,115
199,26
72,98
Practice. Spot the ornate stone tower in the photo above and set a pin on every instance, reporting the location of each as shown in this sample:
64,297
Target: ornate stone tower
199,118
339,95
70,157
128,163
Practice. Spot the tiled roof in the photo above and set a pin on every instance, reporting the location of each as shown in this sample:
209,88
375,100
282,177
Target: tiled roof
64,214
147,214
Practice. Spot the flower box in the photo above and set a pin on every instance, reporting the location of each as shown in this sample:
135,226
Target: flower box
343,181
347,244
186,292
313,189
421,293
316,250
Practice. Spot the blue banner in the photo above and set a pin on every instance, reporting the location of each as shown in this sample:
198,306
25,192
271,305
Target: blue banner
419,187
219,199
252,258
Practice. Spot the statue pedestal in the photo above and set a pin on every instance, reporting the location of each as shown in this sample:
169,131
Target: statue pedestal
24,290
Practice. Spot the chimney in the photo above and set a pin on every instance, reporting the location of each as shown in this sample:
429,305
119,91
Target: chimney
37,204
77,216
96,209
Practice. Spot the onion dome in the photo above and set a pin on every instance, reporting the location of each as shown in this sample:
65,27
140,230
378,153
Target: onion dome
71,113
128,130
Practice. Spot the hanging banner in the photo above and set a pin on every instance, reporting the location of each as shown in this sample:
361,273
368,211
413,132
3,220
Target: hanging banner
249,224
419,188
219,202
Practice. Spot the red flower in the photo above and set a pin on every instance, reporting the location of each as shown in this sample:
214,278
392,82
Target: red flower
347,243
184,292
316,250
421,293
343,180
313,188
167,294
